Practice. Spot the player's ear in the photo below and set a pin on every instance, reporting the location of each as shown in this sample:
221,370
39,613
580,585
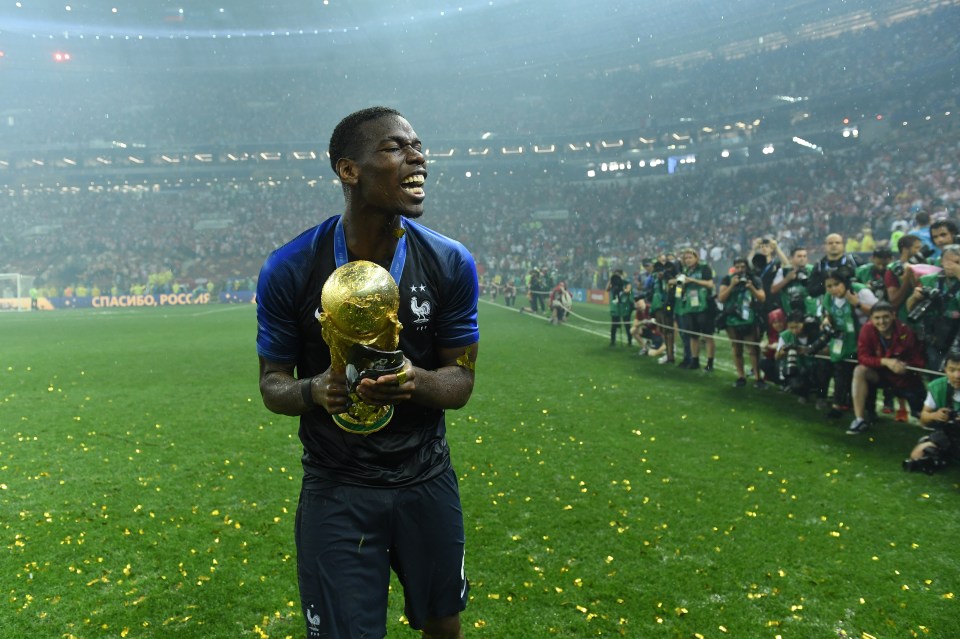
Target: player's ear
348,170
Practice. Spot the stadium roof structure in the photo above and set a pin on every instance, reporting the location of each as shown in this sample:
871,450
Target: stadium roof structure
493,36
56,56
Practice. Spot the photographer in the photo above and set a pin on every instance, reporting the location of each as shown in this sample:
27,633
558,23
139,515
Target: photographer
694,287
942,233
790,284
742,295
661,303
939,413
621,304
874,273
934,307
886,348
766,257
834,257
561,303
899,278
846,306
802,373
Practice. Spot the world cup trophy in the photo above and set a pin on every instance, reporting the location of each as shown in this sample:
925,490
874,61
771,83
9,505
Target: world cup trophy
360,326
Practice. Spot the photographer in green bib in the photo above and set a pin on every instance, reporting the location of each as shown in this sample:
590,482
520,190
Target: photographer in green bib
933,309
696,319
741,294
790,284
846,307
621,306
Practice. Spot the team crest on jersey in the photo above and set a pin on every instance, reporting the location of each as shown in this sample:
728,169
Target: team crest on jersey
420,307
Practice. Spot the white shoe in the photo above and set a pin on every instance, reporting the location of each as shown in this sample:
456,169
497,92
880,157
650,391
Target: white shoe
662,359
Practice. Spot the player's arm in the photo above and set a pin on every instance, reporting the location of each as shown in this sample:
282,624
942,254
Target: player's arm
448,386
285,394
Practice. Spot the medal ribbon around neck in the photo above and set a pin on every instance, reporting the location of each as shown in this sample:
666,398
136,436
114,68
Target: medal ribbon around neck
341,257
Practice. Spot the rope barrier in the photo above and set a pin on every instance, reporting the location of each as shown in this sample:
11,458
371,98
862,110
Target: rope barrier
717,336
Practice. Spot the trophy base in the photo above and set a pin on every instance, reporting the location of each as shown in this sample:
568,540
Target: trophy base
351,425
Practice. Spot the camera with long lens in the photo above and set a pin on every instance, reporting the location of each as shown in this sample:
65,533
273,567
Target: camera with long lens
930,296
791,362
878,288
802,275
930,462
827,334
927,251
664,271
936,457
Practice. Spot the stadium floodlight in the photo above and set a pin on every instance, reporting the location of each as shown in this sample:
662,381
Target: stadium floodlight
483,151
574,147
304,155
512,150
486,136
611,145
807,144
135,159
270,156
544,149
768,149
725,153
440,154
170,159
69,161
203,157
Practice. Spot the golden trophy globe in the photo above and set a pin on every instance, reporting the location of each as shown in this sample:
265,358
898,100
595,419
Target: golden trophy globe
360,326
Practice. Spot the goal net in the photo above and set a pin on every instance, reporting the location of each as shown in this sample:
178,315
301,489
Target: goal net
15,291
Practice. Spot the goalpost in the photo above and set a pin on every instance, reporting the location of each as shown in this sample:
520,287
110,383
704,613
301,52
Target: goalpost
15,291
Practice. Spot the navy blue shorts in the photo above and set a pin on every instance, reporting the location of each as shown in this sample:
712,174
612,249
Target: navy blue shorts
350,537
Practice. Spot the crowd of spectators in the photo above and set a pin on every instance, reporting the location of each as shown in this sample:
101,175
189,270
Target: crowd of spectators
184,106
116,238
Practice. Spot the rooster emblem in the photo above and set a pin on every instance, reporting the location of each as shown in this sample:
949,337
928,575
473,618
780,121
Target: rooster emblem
314,620
421,310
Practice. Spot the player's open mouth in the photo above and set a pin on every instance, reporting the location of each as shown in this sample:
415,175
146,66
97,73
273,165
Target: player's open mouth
413,185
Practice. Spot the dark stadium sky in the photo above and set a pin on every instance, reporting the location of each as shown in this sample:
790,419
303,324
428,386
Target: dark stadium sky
483,34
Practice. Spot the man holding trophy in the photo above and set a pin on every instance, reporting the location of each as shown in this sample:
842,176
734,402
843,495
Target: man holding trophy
367,329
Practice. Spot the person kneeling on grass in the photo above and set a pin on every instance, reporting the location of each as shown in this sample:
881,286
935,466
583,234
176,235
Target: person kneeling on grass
886,350
802,372
939,414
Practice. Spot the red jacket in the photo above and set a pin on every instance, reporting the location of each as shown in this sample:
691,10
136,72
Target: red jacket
903,345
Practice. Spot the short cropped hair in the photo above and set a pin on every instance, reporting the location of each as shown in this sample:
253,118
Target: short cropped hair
907,241
950,225
346,137
882,305
953,355
951,249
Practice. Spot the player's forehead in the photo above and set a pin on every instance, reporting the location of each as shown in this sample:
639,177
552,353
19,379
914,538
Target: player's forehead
389,128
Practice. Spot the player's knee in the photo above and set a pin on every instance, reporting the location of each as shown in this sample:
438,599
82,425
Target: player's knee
442,628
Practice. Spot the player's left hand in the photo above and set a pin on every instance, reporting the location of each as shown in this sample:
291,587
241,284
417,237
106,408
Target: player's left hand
389,389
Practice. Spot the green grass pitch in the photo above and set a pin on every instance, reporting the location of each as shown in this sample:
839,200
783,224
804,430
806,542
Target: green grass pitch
146,492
